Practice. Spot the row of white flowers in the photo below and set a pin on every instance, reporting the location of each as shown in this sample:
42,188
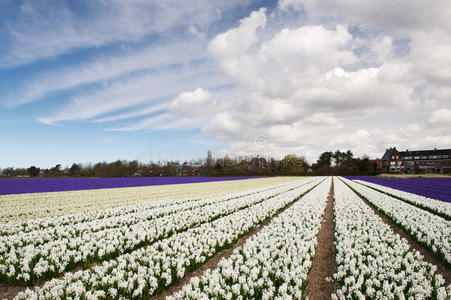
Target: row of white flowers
116,214
37,205
274,263
428,229
437,206
373,261
32,260
145,271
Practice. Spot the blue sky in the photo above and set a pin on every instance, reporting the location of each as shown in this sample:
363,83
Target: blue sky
84,81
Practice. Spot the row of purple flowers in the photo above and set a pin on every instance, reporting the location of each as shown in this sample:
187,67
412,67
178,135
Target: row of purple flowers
22,186
436,188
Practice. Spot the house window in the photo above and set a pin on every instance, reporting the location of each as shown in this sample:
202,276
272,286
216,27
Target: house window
444,156
424,157
393,157
407,157
417,157
392,163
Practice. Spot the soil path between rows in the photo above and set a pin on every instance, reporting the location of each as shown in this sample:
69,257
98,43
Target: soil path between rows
324,266
214,261
8,291
11,291
427,255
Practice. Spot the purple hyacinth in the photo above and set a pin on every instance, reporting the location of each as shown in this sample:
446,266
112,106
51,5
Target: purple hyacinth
40,185
436,188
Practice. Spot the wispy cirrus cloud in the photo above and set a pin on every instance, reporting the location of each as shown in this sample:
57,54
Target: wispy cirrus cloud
153,58
154,108
40,30
137,90
185,111
310,76
165,121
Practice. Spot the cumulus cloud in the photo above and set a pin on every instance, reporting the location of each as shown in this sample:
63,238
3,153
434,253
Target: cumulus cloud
319,87
362,75
228,47
192,103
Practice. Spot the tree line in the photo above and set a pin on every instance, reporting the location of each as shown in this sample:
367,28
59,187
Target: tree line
328,163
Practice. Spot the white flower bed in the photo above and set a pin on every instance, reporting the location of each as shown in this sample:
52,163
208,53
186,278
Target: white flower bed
40,254
274,263
373,261
143,272
428,229
37,205
437,206
121,212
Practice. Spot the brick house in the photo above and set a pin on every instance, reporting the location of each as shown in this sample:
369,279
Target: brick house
392,160
428,161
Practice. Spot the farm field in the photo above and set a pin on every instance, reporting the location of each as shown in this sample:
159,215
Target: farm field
45,185
245,239
436,188
19,207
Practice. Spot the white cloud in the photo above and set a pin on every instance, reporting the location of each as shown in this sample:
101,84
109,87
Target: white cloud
137,113
322,87
193,30
362,75
188,110
164,121
45,29
135,90
400,16
441,117
101,69
316,88
223,124
192,103
229,46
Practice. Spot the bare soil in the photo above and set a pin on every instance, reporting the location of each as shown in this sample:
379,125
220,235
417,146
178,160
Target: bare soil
427,255
324,262
214,261
8,291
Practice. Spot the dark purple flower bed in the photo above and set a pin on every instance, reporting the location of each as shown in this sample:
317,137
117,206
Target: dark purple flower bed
436,188
40,185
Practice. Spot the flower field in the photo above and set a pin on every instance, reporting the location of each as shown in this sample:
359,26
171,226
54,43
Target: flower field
375,262
258,238
18,207
435,188
43,185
